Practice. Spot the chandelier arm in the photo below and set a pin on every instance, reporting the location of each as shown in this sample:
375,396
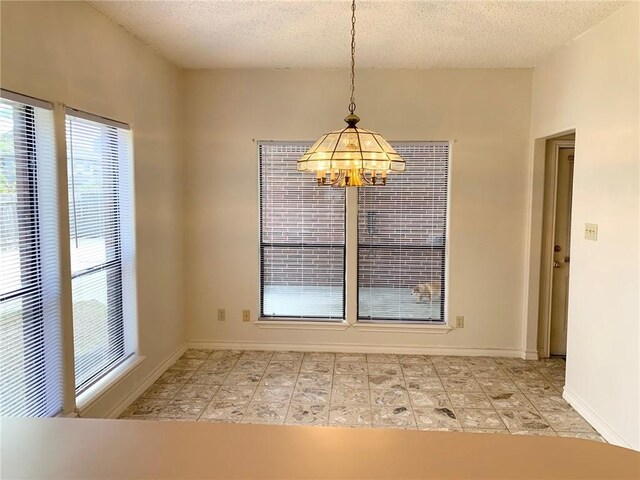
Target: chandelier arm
352,103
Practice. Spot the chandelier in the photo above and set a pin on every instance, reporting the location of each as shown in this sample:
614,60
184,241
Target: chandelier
352,156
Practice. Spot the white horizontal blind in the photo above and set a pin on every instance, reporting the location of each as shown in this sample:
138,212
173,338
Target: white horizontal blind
402,232
30,334
102,246
302,239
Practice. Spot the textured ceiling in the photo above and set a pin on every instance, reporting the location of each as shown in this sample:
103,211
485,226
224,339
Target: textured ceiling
390,34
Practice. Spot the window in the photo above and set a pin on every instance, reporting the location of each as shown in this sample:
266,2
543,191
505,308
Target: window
302,239
402,231
102,246
30,335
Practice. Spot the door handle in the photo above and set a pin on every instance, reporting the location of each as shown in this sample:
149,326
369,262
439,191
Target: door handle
556,264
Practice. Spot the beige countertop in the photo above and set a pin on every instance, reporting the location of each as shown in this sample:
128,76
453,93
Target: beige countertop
65,448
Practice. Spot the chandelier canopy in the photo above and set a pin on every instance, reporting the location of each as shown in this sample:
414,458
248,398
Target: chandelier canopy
351,156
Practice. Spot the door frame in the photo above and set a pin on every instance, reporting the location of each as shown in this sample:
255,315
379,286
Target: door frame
548,242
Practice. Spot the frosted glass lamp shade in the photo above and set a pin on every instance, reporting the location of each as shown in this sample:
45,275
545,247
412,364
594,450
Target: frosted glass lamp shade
352,156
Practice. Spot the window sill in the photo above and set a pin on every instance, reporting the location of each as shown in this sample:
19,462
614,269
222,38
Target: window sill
88,398
302,324
402,328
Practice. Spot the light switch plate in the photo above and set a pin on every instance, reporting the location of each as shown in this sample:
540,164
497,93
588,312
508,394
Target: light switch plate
222,315
591,231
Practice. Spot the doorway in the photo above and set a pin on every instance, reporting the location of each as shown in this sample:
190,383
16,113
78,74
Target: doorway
556,246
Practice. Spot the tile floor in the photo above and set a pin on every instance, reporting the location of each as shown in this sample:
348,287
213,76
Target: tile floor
472,394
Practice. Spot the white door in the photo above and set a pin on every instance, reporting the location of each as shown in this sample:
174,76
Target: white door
561,253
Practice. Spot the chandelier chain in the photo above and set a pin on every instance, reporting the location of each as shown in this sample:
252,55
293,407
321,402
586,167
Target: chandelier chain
352,103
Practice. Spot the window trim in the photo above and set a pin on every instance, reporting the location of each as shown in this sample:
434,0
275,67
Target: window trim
39,186
283,320
101,380
351,208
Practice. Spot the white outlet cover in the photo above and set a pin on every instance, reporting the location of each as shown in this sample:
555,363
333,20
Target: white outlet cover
591,231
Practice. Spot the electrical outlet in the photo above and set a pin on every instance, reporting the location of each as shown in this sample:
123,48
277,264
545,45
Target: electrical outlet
246,315
460,321
591,231
222,315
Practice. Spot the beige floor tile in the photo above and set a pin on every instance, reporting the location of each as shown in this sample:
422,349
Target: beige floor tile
498,385
311,395
382,358
526,420
423,383
453,371
189,391
312,366
242,378
319,357
250,366
349,415
398,416
319,380
486,430
350,397
549,403
479,418
350,368
429,398
389,398
279,379
273,394
540,387
224,411
271,413
149,407
506,400
567,422
351,357
207,378
583,435
199,354
188,364
436,419
418,370
189,408
460,384
351,381
390,369
415,359
469,400
240,394
163,391
287,356
386,382
307,414
283,366
175,376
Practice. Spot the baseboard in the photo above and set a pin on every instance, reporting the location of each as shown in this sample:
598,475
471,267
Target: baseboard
530,355
117,410
359,348
601,426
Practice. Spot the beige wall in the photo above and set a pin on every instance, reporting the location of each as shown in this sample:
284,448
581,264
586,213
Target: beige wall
68,52
485,112
592,85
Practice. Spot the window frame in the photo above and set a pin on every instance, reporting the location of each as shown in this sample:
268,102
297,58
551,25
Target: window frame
94,385
351,257
38,245
279,319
